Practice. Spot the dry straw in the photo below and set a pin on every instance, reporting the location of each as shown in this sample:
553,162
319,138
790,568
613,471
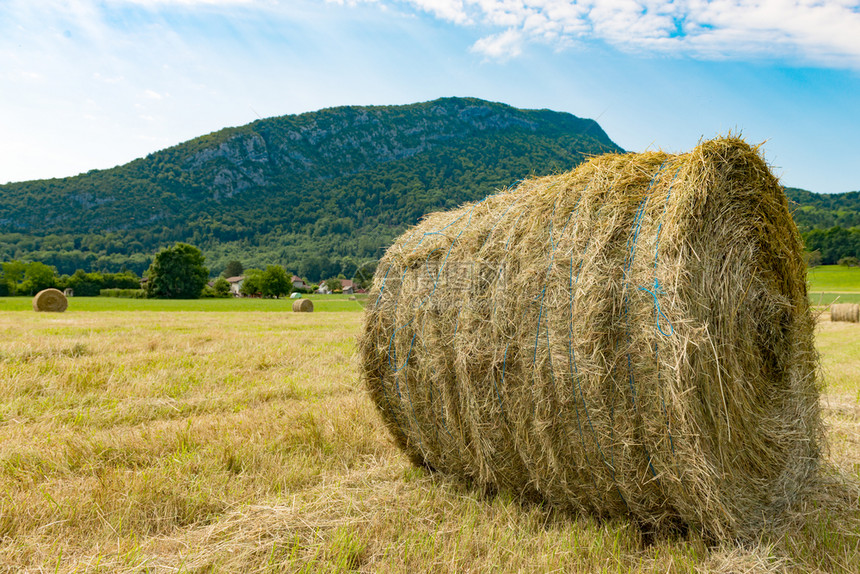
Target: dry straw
303,306
51,300
632,338
845,312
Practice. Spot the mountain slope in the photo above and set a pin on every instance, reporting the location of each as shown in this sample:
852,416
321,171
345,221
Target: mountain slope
304,191
824,210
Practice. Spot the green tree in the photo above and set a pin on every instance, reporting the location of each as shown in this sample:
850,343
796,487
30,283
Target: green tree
38,276
122,280
234,269
86,284
334,284
177,273
348,266
221,287
275,282
253,283
13,274
363,276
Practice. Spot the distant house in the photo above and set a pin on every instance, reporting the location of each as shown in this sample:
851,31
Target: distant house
235,284
298,283
348,286
323,289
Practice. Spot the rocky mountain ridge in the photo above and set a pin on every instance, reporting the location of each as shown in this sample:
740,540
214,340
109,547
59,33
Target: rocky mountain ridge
339,182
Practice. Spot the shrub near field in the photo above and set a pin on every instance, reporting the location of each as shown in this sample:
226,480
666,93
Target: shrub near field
244,442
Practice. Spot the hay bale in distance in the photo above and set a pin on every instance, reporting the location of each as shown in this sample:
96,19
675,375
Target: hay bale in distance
845,312
303,306
836,312
50,300
631,338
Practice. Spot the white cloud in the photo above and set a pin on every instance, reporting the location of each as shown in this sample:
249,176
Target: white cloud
819,30
500,46
184,2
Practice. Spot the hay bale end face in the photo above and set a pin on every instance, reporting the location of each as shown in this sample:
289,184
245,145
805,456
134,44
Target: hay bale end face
50,300
303,306
632,338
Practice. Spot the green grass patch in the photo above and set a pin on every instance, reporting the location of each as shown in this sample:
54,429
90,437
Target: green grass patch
830,284
834,278
823,299
322,303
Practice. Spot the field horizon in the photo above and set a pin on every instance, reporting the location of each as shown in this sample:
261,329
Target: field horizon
322,304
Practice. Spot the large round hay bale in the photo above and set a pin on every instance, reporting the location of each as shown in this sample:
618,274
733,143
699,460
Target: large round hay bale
303,306
51,300
631,338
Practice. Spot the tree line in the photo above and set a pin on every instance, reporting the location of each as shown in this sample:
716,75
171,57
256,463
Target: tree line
179,272
829,246
176,272
28,278
160,278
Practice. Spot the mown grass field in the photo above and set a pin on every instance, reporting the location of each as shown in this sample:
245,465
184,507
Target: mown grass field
322,303
177,441
834,283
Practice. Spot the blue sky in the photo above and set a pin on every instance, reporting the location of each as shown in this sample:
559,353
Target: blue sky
89,84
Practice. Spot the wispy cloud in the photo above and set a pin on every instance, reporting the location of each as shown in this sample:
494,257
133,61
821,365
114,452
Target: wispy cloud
822,31
185,2
501,46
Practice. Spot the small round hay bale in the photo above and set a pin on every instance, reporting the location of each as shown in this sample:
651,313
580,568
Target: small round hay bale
631,338
303,306
50,300
849,312
837,312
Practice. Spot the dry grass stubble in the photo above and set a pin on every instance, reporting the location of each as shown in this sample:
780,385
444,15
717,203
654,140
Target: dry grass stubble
195,442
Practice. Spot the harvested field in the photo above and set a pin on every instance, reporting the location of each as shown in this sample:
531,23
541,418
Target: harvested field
244,442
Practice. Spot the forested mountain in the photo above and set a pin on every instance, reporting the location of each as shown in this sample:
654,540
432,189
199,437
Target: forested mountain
824,210
311,192
321,192
829,223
